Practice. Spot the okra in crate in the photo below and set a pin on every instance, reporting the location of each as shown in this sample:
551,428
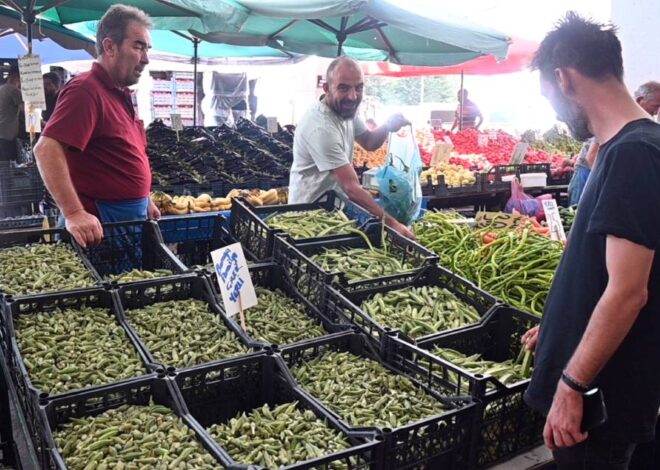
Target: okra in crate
379,256
193,237
62,343
139,424
282,316
255,227
423,424
132,251
38,261
496,370
179,323
260,418
434,301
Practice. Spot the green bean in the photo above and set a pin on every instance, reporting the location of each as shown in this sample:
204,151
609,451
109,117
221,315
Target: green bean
72,349
42,267
361,263
363,392
132,437
311,224
184,333
139,275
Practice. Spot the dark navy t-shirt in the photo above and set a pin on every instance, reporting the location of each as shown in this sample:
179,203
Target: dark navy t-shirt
622,198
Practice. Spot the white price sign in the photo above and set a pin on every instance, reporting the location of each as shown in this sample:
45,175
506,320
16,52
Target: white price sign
518,154
234,279
177,123
492,135
482,140
271,125
32,82
553,218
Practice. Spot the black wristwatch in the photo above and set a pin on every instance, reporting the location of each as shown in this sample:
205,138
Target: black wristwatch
574,384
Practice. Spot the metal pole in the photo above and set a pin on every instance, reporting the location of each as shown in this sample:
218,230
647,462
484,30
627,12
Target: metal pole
460,116
195,45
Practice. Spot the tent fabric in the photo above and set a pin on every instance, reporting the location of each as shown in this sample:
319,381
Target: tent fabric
14,29
401,36
15,45
519,58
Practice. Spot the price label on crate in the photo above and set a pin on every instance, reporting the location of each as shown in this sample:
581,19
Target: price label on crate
518,154
271,125
234,279
553,218
177,123
497,220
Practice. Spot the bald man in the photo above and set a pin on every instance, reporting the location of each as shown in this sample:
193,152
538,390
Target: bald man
323,143
648,97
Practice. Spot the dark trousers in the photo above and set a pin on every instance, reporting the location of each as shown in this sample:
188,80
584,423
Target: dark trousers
595,454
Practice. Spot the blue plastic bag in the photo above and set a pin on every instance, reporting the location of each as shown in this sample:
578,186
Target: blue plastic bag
398,181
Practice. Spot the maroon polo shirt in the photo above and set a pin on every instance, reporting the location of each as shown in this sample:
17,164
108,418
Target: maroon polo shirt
104,140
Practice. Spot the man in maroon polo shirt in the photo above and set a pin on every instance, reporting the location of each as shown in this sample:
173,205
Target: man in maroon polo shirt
92,153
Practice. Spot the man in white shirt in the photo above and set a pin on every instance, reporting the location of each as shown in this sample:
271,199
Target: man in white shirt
323,143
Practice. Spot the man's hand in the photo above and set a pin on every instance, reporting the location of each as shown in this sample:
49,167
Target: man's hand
153,213
530,338
402,229
562,426
85,228
396,122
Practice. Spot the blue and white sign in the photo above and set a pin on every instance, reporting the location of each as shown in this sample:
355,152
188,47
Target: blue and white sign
234,279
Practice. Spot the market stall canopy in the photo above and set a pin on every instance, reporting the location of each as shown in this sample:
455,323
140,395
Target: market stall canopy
519,57
52,42
363,29
165,14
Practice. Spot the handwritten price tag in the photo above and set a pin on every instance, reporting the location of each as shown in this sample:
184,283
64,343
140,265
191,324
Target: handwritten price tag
234,279
32,82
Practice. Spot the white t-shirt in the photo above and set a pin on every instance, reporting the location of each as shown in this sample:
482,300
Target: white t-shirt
323,141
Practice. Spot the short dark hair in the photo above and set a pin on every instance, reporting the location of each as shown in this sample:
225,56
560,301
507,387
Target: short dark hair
13,72
114,22
591,48
53,77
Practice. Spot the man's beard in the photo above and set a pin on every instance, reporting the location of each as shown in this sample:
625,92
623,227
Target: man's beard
346,113
575,119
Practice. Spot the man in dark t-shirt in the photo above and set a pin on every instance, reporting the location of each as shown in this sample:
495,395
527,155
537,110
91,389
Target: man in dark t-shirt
601,324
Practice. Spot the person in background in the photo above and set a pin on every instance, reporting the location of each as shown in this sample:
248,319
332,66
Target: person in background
648,97
601,321
471,118
10,106
52,83
323,143
583,165
92,153
371,124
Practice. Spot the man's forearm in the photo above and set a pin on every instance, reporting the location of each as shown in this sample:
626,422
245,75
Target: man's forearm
362,198
376,138
55,173
611,321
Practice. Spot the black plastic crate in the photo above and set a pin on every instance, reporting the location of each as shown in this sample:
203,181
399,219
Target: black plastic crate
24,222
505,426
140,392
47,236
493,179
27,393
131,245
311,280
8,455
248,227
443,190
20,185
190,286
272,276
441,441
345,307
192,238
213,394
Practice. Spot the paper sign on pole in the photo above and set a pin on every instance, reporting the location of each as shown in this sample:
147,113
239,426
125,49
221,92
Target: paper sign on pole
234,279
553,218
497,220
177,123
482,140
32,82
518,154
32,119
271,125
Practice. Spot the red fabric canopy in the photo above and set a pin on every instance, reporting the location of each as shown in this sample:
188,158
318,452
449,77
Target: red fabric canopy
520,55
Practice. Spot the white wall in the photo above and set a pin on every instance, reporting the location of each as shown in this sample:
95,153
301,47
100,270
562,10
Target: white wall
639,32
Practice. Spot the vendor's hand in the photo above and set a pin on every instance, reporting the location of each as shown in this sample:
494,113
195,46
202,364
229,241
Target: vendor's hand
85,228
153,213
562,426
530,338
402,229
396,122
